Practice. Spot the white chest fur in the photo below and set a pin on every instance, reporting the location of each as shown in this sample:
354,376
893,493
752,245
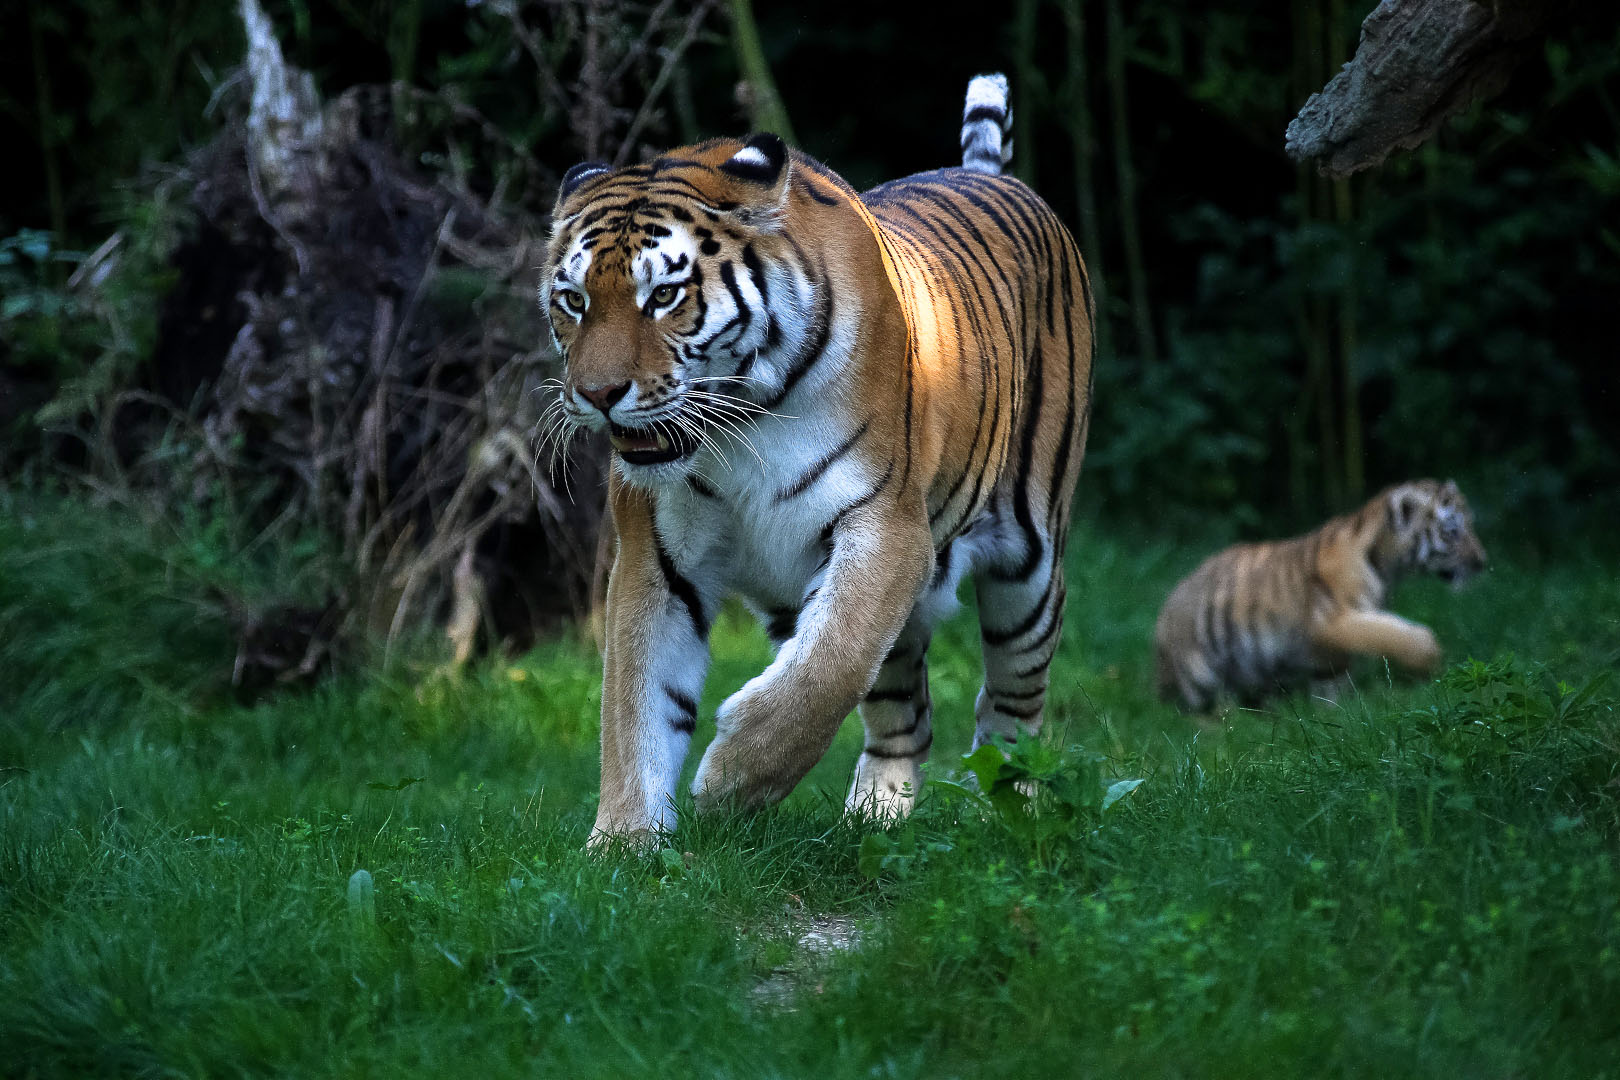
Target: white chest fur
752,524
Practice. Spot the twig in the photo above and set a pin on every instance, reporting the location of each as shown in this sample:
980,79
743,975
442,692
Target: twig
672,57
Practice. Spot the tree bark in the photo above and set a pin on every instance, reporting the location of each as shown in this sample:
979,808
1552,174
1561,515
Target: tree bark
1419,63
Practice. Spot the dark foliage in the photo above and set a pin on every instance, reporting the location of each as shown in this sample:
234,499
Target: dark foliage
1275,344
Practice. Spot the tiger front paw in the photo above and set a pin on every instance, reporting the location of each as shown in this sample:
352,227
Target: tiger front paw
756,759
1427,656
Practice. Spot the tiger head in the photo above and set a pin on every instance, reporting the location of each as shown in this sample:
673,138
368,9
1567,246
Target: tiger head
1433,530
657,284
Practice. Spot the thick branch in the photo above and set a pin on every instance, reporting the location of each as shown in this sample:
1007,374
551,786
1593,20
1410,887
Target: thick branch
1419,63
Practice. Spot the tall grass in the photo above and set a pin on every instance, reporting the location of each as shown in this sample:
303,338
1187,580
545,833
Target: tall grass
1421,880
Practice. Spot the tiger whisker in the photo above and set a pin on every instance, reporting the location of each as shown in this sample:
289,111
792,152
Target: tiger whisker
689,424
728,425
751,407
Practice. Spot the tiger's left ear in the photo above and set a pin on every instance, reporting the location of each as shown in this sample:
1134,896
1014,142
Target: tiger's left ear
574,178
1405,503
763,167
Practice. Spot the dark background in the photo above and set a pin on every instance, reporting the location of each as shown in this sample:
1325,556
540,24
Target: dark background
1294,343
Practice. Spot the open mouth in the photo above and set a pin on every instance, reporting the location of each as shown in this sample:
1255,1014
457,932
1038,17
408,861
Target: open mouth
647,446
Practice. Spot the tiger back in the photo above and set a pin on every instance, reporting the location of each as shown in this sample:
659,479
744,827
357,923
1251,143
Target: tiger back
1259,618
835,407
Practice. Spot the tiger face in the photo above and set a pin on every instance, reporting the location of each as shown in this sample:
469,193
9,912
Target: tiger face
658,282
1436,530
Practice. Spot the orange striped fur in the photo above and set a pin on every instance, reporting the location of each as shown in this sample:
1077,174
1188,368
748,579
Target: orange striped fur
834,406
1257,618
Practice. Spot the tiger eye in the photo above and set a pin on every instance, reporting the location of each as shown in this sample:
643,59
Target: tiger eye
573,301
663,294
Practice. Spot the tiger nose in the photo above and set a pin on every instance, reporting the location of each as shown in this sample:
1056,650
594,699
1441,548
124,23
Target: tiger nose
603,397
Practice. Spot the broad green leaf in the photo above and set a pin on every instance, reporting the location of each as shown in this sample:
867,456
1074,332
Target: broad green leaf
874,849
1118,790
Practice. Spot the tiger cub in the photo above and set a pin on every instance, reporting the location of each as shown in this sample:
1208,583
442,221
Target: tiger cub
1257,618
834,405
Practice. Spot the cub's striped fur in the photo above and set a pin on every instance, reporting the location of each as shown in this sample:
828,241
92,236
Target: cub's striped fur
1257,618
836,406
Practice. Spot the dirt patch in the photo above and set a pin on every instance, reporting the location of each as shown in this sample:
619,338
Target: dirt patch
816,939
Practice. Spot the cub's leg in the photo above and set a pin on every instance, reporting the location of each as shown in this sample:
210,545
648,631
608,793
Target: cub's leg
656,657
1020,619
778,725
1379,633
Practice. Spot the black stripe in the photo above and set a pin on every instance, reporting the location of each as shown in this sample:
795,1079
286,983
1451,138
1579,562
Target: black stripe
728,277
1029,672
1001,637
1023,713
942,564
830,530
814,345
904,694
757,271
1027,695
816,471
681,589
995,113
948,241
686,705
782,623
658,165
1029,233
825,200
1057,494
701,486
893,754
1052,628
1035,544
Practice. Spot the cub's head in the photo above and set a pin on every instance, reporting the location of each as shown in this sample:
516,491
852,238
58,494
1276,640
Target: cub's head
1434,530
657,284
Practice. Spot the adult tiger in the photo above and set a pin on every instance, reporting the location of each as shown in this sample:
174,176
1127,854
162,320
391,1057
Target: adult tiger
1256,618
835,405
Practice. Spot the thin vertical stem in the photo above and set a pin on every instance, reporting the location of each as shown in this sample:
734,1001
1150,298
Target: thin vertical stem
47,129
1083,138
766,111
1135,265
1026,78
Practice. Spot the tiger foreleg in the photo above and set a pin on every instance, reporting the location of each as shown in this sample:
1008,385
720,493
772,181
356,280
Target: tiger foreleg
1379,633
656,657
781,722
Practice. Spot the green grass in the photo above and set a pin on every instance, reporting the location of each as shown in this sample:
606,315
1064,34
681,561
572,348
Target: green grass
1421,881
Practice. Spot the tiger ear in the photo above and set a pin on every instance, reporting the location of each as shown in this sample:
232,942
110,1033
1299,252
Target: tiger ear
763,167
1404,504
573,178
762,159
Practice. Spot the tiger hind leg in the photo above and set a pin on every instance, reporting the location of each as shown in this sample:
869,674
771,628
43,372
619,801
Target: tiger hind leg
898,716
1020,621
